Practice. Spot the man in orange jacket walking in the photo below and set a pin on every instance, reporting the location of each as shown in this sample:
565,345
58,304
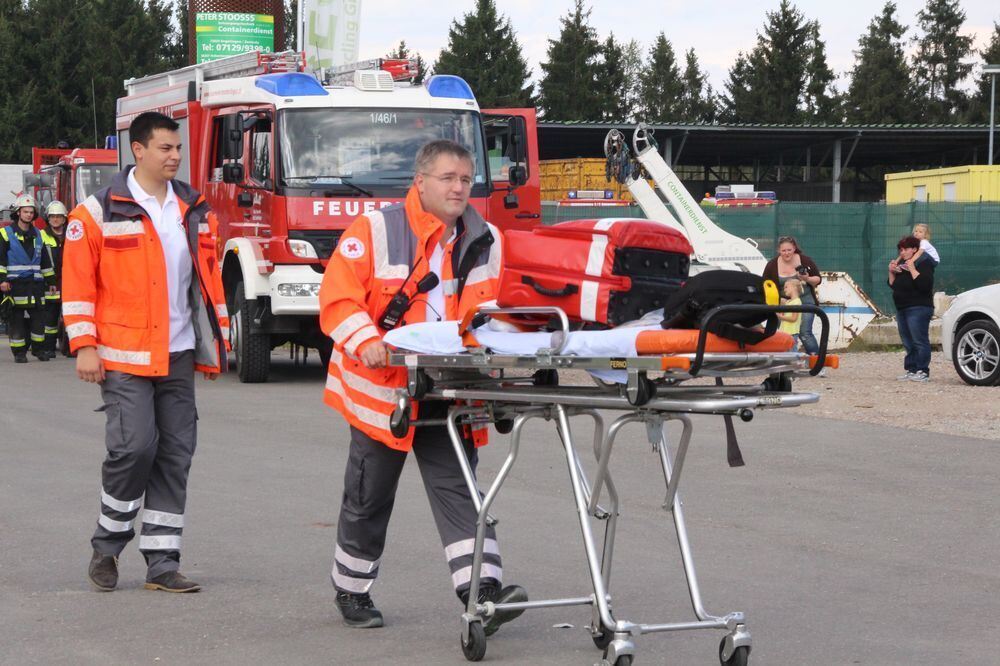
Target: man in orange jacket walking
387,257
144,309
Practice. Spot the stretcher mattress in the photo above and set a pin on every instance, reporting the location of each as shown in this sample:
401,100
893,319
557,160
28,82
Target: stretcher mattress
443,338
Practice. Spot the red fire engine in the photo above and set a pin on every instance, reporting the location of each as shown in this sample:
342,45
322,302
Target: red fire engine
287,159
68,175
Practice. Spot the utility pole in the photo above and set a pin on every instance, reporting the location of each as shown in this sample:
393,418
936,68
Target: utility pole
992,70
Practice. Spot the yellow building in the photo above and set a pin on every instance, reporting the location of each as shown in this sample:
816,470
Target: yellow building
964,183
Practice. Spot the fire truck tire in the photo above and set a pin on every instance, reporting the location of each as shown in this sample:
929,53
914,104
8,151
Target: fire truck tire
252,350
325,352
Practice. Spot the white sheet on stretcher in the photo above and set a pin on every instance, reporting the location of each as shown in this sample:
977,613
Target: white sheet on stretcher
441,337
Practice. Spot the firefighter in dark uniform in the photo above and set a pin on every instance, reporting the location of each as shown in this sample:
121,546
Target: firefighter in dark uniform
53,238
24,271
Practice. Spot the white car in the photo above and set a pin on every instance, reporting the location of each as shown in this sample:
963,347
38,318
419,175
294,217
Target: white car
970,335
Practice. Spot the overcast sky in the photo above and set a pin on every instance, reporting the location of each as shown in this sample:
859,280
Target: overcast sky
717,31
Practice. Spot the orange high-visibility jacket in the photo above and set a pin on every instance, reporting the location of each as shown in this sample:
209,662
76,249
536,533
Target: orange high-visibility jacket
115,282
376,255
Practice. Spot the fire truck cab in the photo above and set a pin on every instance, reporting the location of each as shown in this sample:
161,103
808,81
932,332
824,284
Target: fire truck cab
68,175
288,159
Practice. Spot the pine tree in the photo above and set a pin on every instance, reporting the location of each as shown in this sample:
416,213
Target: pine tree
177,44
17,82
62,110
881,90
766,85
940,63
483,49
739,102
569,80
632,68
291,25
979,111
697,100
402,51
822,101
611,82
662,87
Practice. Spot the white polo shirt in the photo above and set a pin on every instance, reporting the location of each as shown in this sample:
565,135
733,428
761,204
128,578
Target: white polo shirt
435,297
177,257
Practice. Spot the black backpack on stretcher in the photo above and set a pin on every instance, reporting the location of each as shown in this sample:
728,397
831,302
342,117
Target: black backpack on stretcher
688,306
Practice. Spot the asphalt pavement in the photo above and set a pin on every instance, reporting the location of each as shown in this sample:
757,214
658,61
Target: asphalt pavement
844,543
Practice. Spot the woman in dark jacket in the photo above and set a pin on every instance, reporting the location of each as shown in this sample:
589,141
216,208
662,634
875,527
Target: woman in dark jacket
912,285
792,263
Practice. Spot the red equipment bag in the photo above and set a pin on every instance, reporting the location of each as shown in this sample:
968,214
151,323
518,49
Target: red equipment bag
608,271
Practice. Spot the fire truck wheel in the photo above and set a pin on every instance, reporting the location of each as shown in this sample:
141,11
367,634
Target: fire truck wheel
252,350
325,352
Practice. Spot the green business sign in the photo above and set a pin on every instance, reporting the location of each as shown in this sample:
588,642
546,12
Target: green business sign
222,34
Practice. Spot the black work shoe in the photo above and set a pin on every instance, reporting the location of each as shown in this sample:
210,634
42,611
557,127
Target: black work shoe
511,594
41,356
21,358
172,581
103,571
359,610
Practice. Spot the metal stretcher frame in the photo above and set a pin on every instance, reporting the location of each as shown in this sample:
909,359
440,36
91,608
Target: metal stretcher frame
479,381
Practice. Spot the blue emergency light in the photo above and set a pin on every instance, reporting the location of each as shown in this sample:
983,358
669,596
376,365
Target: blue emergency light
289,84
448,85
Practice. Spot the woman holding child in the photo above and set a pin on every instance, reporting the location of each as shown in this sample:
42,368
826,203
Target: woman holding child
792,264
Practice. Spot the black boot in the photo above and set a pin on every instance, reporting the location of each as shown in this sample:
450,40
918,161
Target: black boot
103,570
20,358
41,355
358,610
509,595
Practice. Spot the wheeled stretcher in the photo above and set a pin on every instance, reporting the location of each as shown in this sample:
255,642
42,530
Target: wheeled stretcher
510,390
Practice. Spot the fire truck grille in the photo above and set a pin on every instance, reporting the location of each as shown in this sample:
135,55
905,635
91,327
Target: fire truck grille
324,240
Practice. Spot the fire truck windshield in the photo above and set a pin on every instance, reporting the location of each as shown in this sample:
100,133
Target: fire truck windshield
374,148
91,178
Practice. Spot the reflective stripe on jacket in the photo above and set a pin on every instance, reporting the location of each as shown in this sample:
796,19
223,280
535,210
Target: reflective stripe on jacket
115,287
375,256
53,246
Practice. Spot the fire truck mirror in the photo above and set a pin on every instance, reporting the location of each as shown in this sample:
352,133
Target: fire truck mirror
516,140
232,173
232,137
38,180
517,176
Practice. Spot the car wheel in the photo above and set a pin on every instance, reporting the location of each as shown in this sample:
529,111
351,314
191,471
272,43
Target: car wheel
976,353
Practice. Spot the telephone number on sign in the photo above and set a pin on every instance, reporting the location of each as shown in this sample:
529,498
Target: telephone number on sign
233,48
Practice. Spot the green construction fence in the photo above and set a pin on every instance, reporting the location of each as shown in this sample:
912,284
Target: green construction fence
858,238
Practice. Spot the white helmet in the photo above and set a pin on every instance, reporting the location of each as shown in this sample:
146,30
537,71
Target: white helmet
25,201
56,208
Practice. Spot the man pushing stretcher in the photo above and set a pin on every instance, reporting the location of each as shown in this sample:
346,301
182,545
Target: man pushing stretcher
380,277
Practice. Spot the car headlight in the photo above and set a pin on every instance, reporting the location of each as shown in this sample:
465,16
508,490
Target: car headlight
298,289
302,249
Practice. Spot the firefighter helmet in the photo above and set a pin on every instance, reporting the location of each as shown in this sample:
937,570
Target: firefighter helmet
25,201
56,208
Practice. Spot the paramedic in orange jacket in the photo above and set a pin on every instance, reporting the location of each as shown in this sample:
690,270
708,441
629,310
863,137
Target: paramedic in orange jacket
380,255
144,309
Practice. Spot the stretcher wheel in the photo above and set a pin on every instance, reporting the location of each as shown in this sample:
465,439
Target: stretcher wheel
740,657
645,390
603,639
548,377
399,423
504,426
779,383
475,648
422,384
